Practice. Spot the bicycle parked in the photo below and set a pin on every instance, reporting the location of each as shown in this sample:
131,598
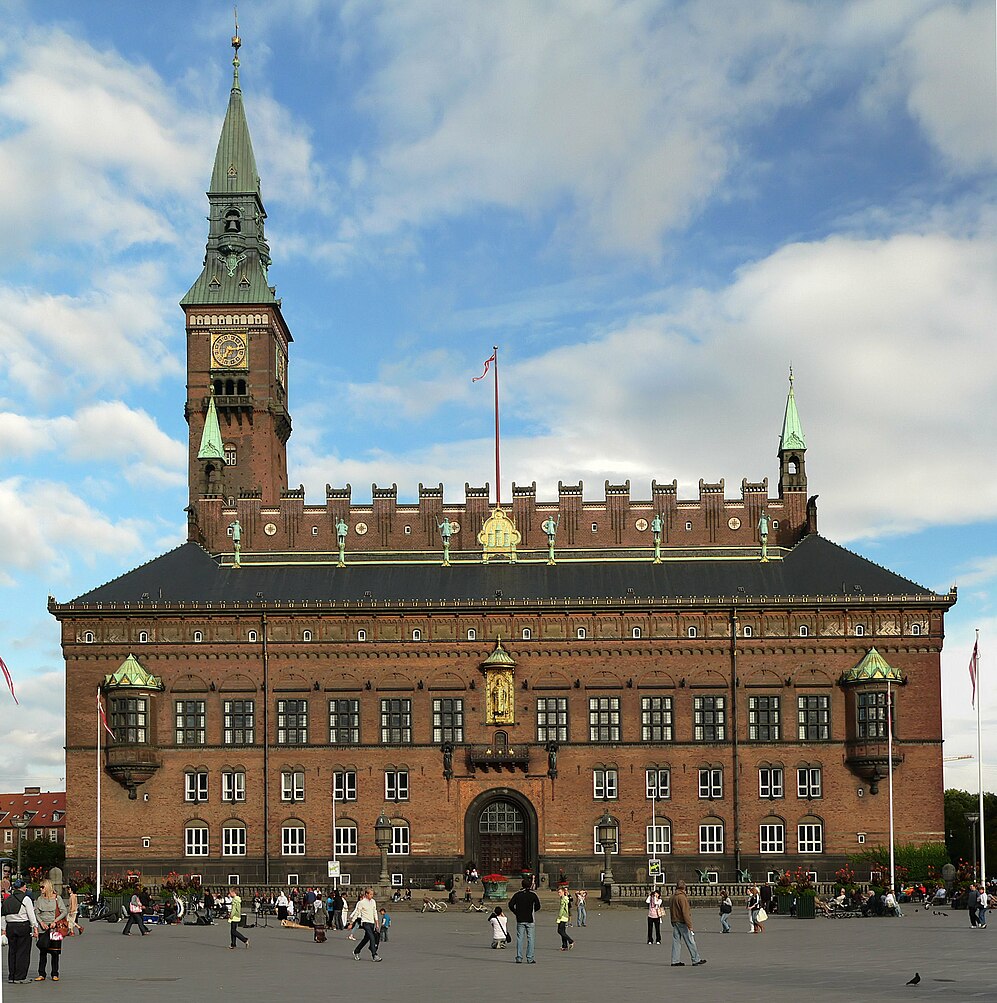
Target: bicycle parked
433,905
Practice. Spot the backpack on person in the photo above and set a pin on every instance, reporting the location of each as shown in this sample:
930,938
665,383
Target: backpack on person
12,903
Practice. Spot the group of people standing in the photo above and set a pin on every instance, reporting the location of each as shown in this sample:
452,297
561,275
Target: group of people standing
47,920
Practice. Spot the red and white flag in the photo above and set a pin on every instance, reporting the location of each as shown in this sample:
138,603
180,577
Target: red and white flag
103,716
974,664
488,362
10,682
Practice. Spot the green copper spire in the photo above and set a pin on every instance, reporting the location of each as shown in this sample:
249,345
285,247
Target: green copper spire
211,437
873,666
238,256
792,430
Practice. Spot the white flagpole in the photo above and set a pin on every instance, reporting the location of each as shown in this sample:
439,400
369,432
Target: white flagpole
979,764
889,753
98,792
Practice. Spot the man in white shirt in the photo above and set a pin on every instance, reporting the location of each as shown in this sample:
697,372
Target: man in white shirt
366,912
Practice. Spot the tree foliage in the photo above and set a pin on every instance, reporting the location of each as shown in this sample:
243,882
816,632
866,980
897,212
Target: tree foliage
959,833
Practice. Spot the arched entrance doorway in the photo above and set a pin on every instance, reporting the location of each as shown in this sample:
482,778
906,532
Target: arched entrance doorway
501,833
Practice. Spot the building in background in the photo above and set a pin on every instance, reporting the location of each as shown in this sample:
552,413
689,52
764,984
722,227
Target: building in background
45,813
452,680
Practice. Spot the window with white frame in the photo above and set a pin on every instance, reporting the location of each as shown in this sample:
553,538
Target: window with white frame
527,634
804,630
814,717
234,841
344,722
770,782
344,785
859,630
53,835
808,782
346,840
8,836
292,722
692,632
658,783
915,630
396,721
448,720
711,783
198,637
472,634
292,785
552,719
709,715
306,635
635,633
597,846
233,785
361,635
143,637
88,637
252,636
810,837
292,840
581,633
711,837
190,722
400,840
772,837
239,717
195,840
659,839
656,719
747,630
763,719
396,785
416,634
195,785
605,784
604,719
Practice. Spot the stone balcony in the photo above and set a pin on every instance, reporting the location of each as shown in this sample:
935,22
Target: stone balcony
132,765
497,759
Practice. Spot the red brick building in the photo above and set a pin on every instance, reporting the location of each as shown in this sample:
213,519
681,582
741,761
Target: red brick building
45,813
295,670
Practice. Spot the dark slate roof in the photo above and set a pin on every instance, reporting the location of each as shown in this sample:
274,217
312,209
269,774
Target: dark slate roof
815,567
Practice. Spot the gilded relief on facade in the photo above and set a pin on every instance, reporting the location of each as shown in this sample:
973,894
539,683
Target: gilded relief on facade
500,689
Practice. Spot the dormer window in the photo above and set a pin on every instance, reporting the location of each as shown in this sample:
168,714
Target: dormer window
233,221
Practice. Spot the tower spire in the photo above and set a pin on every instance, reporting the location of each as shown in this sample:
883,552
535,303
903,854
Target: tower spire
236,44
792,430
792,447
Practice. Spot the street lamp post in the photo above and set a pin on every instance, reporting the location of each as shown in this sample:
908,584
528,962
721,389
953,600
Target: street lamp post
382,838
21,823
973,817
607,836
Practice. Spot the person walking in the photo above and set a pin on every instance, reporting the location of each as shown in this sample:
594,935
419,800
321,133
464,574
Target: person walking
754,906
581,915
983,898
726,908
655,910
234,916
283,904
366,913
524,905
74,909
19,922
682,932
500,929
973,906
563,917
136,914
53,921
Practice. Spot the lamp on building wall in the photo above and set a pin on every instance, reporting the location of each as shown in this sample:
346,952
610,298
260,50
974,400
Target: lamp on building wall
21,822
382,838
607,836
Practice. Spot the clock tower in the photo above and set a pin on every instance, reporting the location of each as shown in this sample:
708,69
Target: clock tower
237,340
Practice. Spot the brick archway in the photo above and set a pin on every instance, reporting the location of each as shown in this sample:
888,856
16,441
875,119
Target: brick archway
500,833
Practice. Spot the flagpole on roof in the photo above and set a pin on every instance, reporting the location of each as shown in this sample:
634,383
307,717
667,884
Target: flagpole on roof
498,475
979,760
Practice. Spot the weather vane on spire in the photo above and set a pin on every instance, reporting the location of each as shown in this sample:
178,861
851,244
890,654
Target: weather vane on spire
236,44
791,376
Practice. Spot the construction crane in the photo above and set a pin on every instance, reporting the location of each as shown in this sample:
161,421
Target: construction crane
953,759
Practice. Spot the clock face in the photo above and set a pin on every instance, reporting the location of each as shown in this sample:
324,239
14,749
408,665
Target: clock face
228,351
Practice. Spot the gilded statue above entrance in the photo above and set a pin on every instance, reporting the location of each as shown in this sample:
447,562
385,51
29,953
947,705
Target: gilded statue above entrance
500,687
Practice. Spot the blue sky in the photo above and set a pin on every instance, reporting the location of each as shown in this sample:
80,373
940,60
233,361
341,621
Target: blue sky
653,208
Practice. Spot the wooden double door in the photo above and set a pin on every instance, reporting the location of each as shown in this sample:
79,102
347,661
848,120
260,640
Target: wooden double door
502,839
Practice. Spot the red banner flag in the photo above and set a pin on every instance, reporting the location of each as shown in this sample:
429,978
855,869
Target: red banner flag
488,362
10,682
103,717
974,666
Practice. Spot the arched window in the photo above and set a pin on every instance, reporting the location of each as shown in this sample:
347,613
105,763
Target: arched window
195,839
748,630
143,637
859,630
581,633
233,221
472,634
198,637
772,835
306,635
233,839
416,634
292,839
794,465
635,632
361,635
88,637
711,836
230,387
346,838
240,387
692,632
804,630
219,387
527,634
810,835
915,629
401,837
253,636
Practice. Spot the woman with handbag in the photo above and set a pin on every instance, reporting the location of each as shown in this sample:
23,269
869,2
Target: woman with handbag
136,911
655,910
755,911
726,908
500,929
53,925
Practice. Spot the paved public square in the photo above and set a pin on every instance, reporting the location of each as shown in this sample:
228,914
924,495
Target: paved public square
447,957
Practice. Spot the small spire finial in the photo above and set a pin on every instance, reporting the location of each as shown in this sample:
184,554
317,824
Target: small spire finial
236,45
791,376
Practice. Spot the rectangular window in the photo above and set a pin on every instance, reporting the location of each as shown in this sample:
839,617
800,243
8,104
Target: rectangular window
130,719
656,719
344,722
711,783
292,785
195,786
234,842
711,838
396,721
346,840
292,841
810,837
659,840
448,720
709,719
344,784
604,719
399,839
190,722
658,784
770,782
772,838
872,715
552,719
814,717
233,785
53,835
605,785
763,719
292,722
8,836
239,722
396,785
195,841
808,782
